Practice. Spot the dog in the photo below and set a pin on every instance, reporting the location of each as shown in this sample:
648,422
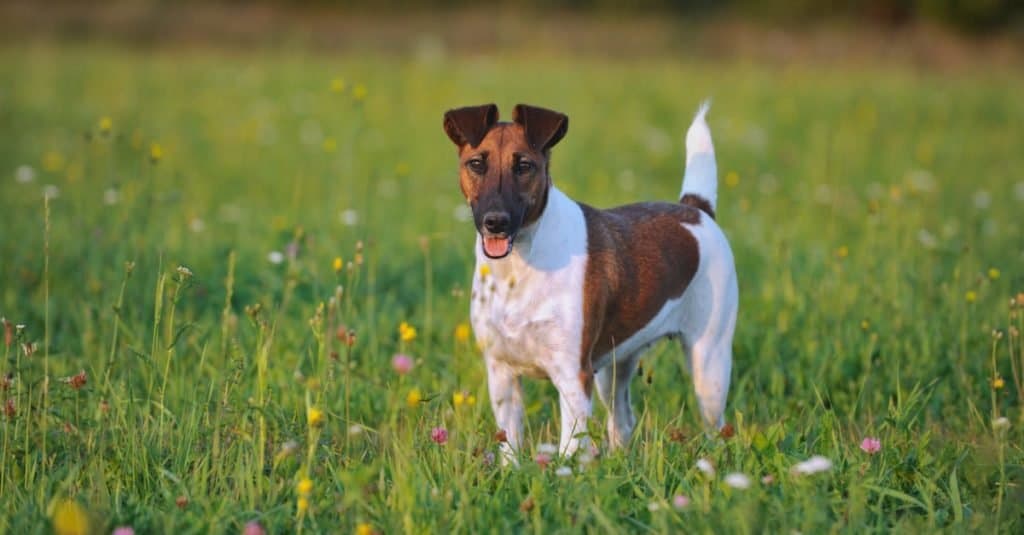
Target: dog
576,294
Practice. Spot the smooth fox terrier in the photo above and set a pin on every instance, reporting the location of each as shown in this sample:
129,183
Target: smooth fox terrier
573,293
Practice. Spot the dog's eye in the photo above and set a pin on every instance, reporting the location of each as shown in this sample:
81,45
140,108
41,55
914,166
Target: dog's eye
523,167
476,165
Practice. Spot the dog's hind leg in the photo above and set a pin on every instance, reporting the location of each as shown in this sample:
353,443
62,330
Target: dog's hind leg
613,388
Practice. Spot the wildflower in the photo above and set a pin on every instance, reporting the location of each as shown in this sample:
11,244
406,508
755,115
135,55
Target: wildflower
8,332
971,296
330,145
355,430
301,505
462,333
998,383
77,381
128,530
706,467
337,264
196,225
10,409
253,527
364,529
53,161
547,448
402,363
349,217
69,518
485,270
406,332
982,200
680,501
993,273
501,436
156,152
488,458
304,487
275,257
813,465
6,381
338,85
865,324
105,125
732,179
563,471
737,480
458,398
1001,423
653,506
359,92
843,251
439,435
871,445
542,460
314,417
25,174
727,432
181,501
184,272
50,191
767,479
414,398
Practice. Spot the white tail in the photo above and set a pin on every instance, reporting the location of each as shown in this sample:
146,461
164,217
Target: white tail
701,177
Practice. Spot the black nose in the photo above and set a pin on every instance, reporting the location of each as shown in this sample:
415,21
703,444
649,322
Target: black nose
496,222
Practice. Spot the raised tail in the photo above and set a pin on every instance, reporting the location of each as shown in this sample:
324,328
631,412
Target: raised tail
700,182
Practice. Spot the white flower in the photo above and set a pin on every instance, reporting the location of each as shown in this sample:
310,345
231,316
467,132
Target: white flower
355,430
196,225
1000,423
653,506
547,448
275,257
563,471
50,191
737,480
349,217
927,239
705,466
813,465
982,200
25,174
184,271
111,197
463,213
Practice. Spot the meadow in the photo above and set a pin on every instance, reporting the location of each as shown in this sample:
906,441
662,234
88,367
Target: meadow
211,258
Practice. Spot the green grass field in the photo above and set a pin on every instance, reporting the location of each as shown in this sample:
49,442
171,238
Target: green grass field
874,213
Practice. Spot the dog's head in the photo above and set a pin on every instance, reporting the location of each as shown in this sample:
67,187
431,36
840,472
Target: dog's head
503,167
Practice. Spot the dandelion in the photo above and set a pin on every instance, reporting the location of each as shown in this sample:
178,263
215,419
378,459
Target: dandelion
563,471
1001,423
252,527
275,257
364,529
337,264
414,398
813,465
653,506
314,417
402,363
547,448
338,85
50,191
53,161
462,333
330,145
485,270
156,152
871,445
993,273
732,179
439,435
349,217
301,505
196,225
128,530
105,125
359,92
706,467
998,383
458,398
737,480
406,332
304,487
843,251
680,501
24,174
70,519
971,296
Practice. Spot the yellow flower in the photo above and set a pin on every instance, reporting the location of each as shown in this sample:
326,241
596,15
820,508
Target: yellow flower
865,324
364,529
302,505
414,398
732,179
53,161
458,399
971,296
462,332
402,169
156,152
843,251
105,125
993,273
471,400
70,519
406,332
338,85
998,383
485,270
359,92
338,264
315,417
304,486
330,145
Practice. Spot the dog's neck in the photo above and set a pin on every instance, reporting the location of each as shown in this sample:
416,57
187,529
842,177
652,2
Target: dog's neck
544,244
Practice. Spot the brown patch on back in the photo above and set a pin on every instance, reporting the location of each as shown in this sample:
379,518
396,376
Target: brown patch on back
698,202
639,257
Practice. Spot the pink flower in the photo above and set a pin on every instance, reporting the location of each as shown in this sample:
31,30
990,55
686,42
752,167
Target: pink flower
253,527
439,435
542,459
680,501
125,530
871,445
402,363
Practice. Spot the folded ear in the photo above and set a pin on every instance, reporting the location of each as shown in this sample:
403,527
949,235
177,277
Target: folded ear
469,125
544,128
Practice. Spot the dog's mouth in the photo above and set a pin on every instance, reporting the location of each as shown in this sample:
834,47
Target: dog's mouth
497,245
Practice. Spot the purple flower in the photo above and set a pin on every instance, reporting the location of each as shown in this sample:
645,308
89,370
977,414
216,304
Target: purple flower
402,363
871,445
125,530
439,435
253,527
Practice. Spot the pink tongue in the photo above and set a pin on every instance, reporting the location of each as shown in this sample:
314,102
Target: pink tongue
495,246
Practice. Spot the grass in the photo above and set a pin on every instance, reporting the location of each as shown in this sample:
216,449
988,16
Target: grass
874,214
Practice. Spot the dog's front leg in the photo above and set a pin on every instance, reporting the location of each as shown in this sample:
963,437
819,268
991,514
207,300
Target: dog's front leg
507,404
574,387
